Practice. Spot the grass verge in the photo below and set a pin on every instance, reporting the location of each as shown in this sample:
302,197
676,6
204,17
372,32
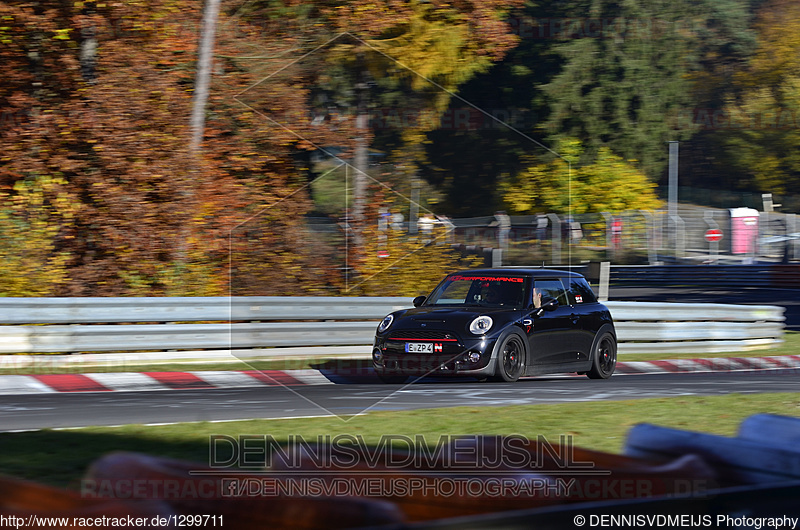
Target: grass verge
60,457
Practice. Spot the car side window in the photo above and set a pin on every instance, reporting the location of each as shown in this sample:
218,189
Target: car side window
580,292
552,289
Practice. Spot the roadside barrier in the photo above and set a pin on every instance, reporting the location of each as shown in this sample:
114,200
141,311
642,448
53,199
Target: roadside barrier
214,323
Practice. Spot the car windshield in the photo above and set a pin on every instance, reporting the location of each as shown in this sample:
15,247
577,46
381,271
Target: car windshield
491,291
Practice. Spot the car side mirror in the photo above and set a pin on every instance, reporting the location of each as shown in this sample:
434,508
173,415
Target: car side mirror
418,301
551,304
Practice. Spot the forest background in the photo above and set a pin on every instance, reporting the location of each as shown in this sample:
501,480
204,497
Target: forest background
325,118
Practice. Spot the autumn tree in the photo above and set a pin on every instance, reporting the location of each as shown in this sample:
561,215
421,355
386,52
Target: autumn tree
113,134
151,218
563,185
759,128
395,264
31,219
375,74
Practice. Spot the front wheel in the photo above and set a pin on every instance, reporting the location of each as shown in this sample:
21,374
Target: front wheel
604,357
510,359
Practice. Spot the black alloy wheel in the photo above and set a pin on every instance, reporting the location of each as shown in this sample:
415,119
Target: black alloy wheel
604,357
510,359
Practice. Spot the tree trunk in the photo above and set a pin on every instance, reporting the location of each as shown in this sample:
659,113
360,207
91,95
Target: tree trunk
205,54
360,161
88,46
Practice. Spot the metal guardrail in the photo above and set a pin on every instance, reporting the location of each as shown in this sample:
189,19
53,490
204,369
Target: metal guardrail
645,327
777,276
154,337
194,309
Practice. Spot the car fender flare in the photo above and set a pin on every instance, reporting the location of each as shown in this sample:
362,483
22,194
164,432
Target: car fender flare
508,330
608,327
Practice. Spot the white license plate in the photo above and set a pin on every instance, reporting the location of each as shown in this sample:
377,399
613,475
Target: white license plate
419,347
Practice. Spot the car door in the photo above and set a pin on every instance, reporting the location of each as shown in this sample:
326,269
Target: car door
549,340
584,311
588,312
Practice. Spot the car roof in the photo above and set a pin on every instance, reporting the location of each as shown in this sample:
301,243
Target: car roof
521,271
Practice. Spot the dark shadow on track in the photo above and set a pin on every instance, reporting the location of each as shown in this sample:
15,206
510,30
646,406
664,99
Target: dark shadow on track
359,371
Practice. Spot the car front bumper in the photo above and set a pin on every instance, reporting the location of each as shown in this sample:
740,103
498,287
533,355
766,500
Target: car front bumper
389,358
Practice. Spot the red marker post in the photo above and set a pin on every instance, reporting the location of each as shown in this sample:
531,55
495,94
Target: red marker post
713,236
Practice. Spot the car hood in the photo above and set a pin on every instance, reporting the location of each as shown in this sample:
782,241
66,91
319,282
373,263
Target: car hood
453,318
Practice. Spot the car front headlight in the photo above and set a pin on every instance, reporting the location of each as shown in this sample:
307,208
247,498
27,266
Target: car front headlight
480,325
385,323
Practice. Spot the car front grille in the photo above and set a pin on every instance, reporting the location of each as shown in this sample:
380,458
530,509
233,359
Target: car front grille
423,334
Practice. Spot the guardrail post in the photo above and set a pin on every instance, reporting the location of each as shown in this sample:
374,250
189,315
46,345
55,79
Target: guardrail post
607,219
555,237
602,285
497,257
650,232
679,235
713,246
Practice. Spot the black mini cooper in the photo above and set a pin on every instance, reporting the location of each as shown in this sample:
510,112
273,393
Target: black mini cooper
500,324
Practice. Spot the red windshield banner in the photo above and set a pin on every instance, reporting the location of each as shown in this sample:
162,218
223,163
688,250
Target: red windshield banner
485,279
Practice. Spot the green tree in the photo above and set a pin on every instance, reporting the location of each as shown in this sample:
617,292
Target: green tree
628,76
626,86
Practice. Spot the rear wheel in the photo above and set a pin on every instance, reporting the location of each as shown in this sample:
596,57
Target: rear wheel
604,357
510,359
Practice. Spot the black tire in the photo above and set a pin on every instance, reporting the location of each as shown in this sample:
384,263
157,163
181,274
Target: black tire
604,357
510,358
392,379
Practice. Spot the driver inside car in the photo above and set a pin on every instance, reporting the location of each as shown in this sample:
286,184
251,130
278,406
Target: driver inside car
491,294
537,297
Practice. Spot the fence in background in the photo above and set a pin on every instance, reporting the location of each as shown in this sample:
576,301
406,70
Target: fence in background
157,324
639,236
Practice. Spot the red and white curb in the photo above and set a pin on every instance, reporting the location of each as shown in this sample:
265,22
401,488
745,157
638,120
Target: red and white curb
132,381
712,364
